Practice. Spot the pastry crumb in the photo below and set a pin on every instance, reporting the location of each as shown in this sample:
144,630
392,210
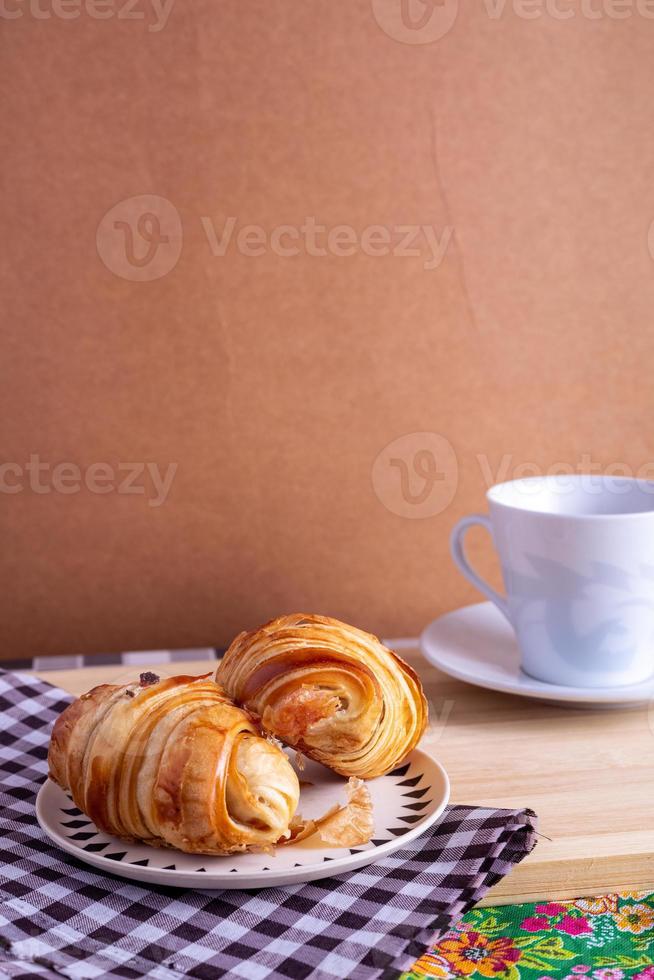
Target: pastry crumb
353,824
342,826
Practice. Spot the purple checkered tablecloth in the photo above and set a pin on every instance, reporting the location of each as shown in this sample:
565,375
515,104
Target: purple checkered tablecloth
59,917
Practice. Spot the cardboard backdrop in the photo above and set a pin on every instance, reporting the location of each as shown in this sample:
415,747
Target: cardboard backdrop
477,305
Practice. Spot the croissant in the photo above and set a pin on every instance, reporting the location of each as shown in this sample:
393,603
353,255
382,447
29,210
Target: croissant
329,690
173,763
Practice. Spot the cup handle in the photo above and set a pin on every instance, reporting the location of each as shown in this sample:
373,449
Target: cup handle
457,539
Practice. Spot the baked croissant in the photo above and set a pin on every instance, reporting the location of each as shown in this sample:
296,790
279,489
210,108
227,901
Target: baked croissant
173,763
329,690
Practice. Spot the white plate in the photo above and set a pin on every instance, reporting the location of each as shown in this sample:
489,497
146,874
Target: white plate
476,644
406,803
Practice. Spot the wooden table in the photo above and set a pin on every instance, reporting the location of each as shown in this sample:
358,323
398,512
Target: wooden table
588,774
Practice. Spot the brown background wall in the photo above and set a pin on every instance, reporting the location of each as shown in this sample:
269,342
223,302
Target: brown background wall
274,383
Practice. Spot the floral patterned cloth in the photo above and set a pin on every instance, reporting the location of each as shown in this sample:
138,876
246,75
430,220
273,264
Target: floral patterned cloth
608,938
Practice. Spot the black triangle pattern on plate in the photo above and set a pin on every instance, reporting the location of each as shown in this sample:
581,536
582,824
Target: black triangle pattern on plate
232,869
81,821
417,806
411,782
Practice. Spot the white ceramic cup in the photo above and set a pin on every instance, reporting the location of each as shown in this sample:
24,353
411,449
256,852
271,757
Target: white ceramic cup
577,557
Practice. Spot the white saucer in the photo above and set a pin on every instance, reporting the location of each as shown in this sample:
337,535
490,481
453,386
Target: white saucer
477,645
406,803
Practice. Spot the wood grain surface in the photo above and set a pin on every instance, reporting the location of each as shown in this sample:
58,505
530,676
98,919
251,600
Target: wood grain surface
587,773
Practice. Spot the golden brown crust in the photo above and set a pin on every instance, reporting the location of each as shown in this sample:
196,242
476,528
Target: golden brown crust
173,763
330,690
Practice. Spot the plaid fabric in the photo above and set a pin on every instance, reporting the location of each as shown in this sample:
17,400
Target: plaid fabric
131,658
59,917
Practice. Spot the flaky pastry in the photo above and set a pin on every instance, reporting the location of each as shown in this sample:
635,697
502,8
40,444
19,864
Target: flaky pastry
174,763
329,690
